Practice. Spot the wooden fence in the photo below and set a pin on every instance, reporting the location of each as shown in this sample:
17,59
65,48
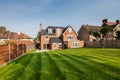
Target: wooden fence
10,52
108,43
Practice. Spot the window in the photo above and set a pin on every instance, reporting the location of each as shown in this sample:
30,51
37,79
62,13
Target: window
109,38
54,44
76,44
70,30
60,45
46,37
70,37
49,30
110,33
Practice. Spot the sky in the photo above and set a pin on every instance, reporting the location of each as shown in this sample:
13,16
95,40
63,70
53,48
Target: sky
26,15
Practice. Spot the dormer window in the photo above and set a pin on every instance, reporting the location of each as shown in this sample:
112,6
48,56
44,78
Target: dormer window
50,30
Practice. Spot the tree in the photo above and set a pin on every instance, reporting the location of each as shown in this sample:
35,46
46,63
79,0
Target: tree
118,35
37,39
2,30
100,34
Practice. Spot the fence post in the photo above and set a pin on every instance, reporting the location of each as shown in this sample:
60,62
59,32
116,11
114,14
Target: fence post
17,49
9,52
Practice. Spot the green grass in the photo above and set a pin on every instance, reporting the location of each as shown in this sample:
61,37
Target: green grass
69,64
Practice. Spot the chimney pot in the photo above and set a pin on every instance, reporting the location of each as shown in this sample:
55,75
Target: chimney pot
105,20
118,21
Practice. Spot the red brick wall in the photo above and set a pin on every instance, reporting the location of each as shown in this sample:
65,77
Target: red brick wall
44,41
55,46
58,32
69,33
81,43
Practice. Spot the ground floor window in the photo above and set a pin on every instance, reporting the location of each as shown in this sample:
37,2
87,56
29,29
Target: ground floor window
76,44
54,44
46,46
59,45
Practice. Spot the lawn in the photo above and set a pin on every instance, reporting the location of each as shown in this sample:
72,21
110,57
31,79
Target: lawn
69,64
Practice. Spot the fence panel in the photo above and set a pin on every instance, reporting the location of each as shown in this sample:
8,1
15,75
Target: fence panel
16,50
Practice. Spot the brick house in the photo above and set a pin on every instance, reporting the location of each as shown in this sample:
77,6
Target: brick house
115,26
83,33
19,38
55,37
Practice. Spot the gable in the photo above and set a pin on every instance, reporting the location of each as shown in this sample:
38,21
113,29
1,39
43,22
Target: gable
69,29
117,28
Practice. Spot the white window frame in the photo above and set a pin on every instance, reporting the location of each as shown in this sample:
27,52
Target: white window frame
59,44
76,44
50,30
70,37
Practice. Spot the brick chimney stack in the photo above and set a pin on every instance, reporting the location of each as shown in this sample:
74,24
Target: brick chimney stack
118,21
40,27
105,20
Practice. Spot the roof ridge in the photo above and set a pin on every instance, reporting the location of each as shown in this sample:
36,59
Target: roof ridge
90,25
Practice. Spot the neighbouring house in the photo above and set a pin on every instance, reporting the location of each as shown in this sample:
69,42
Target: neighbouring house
114,26
83,34
19,38
2,42
55,37
109,41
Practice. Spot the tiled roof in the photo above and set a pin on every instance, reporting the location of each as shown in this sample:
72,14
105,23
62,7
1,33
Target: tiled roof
91,27
24,36
65,28
45,32
56,40
27,42
14,35
4,36
111,23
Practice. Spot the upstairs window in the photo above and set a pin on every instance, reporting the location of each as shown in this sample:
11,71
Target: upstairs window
70,37
110,33
46,37
50,30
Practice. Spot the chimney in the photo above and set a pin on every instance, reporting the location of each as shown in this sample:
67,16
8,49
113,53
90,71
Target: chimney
105,20
118,21
40,27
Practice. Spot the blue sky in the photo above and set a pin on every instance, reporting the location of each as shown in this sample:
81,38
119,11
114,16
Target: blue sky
26,15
